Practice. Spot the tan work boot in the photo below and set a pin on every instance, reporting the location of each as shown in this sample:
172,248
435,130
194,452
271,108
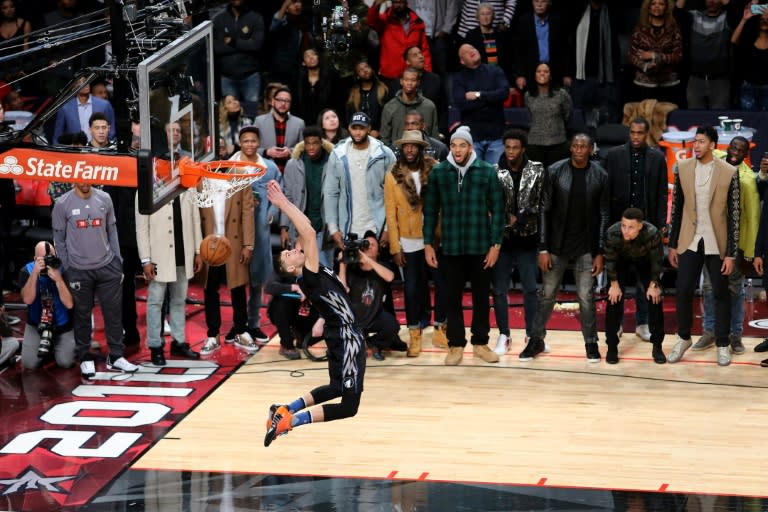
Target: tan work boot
484,353
414,347
454,356
439,338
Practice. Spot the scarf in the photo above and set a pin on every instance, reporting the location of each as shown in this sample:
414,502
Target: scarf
605,69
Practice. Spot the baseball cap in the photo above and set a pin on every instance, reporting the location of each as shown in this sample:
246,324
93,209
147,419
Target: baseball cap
360,119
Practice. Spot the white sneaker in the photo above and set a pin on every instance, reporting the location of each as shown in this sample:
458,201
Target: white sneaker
245,342
166,328
502,344
643,332
88,370
210,346
121,364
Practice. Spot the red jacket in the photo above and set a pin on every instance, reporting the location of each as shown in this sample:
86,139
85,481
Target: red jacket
394,41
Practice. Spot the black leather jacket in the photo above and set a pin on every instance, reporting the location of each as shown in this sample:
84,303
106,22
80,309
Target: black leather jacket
555,196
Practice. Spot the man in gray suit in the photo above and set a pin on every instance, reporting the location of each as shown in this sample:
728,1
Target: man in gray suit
280,131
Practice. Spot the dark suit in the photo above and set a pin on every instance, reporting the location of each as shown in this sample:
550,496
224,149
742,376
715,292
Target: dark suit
617,164
526,48
68,119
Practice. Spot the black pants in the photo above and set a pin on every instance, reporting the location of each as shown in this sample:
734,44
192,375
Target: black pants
689,268
283,312
217,275
454,268
131,264
383,329
614,313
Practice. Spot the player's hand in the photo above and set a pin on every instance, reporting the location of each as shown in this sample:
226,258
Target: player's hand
429,255
275,194
198,264
491,257
149,271
653,295
399,259
245,255
614,294
673,258
545,262
597,265
728,265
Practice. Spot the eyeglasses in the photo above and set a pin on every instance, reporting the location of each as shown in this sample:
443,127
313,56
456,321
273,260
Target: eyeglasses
283,100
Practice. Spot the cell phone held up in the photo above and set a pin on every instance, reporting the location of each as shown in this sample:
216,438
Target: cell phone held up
758,9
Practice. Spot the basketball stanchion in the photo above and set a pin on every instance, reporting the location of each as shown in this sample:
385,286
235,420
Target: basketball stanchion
217,180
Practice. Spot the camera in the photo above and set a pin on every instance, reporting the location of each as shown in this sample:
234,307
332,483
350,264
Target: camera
45,328
336,38
50,260
352,248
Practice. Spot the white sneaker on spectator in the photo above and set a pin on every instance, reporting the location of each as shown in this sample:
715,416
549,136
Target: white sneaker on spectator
643,332
245,342
121,364
88,370
210,346
502,345
166,328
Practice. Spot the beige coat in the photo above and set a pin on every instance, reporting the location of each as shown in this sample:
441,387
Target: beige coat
722,174
155,237
239,229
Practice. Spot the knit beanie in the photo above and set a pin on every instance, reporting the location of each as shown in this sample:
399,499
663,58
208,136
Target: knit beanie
462,132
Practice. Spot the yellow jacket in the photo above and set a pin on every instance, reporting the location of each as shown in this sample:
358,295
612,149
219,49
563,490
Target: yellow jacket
749,220
403,219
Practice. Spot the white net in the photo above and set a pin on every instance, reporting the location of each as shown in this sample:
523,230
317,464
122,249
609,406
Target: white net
210,190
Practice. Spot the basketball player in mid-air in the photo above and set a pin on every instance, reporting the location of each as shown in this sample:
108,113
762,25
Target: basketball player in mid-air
346,348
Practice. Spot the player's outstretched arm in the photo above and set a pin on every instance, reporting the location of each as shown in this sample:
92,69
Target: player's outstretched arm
307,235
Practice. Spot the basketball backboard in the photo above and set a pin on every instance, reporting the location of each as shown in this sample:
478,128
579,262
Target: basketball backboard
176,109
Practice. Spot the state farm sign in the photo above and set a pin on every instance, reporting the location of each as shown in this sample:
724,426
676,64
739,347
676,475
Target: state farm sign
96,168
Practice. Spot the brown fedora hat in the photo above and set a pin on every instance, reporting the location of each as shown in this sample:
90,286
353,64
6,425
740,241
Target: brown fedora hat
412,137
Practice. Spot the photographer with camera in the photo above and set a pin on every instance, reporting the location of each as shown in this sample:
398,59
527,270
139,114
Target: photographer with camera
49,324
367,282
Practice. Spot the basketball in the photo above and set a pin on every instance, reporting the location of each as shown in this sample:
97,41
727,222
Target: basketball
215,250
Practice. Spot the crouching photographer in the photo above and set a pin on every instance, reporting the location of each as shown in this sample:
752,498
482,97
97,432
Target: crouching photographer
368,283
48,299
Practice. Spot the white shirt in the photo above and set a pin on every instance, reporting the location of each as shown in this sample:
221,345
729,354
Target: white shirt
361,216
84,111
413,244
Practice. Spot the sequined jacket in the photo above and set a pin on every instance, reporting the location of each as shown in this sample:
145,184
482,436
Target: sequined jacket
528,197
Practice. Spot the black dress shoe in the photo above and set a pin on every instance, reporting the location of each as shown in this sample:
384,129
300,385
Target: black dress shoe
158,358
183,350
612,355
762,346
378,354
658,354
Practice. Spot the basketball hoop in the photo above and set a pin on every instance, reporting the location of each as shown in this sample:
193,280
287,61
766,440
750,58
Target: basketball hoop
217,179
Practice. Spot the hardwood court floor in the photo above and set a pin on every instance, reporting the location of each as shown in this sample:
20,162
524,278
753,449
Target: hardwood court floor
556,421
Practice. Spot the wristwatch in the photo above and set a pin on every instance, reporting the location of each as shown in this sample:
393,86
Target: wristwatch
497,246
477,95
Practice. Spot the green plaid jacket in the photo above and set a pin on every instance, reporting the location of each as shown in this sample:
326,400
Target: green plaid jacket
645,250
471,219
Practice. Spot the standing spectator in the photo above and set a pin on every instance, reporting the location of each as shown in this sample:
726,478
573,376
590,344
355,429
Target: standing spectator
542,36
303,186
238,35
368,95
287,37
353,184
439,18
655,51
330,124
261,257
279,131
407,98
751,55
479,91
234,219
488,38
431,84
75,114
316,88
435,148
12,25
633,246
231,120
404,187
503,11
49,302
398,28
168,267
637,178
749,219
708,49
99,128
574,218
465,195
522,182
550,109
86,240
597,65
704,236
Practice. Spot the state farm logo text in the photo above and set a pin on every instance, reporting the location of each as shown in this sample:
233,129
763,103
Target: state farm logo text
54,169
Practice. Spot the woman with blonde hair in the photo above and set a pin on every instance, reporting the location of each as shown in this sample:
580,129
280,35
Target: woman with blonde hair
231,120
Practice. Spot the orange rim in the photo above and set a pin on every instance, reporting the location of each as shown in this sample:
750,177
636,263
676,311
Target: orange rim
190,172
